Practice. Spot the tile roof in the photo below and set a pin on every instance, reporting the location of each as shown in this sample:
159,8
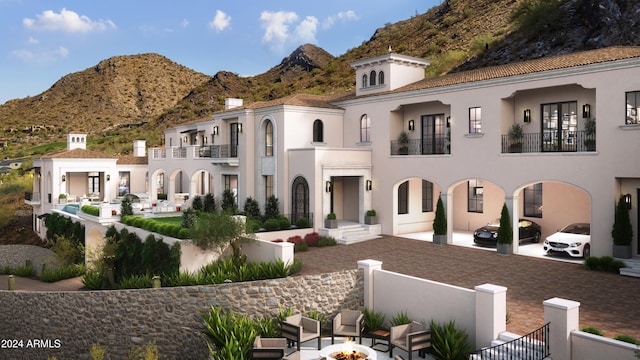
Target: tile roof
318,101
132,160
581,58
77,154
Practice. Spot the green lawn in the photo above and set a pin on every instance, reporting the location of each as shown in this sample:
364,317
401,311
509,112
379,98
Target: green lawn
172,220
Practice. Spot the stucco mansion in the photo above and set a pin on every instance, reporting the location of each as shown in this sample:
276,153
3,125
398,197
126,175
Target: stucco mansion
348,154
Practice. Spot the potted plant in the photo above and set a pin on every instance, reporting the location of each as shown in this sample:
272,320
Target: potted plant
590,134
505,233
516,134
440,224
403,140
62,198
370,217
331,222
622,231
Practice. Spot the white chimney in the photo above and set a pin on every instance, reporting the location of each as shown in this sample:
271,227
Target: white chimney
230,103
76,141
139,148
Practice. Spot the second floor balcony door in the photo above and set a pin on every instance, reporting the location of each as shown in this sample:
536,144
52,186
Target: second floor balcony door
433,134
559,126
233,141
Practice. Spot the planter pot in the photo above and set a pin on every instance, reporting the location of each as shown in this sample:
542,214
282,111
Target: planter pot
370,220
331,224
440,239
622,251
403,151
505,249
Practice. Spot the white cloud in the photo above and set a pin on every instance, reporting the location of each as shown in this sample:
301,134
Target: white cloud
221,21
41,56
32,41
306,31
66,20
277,34
342,16
185,23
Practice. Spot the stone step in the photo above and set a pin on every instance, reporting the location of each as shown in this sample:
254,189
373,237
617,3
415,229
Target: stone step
355,233
630,271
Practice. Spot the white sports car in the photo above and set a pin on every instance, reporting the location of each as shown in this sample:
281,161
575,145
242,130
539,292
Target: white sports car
573,239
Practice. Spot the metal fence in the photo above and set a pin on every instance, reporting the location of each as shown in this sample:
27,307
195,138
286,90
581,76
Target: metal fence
533,346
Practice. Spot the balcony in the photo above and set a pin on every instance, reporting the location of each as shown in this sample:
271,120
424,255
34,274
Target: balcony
220,154
551,141
434,145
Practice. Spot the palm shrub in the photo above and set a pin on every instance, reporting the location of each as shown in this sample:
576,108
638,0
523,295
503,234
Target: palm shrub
400,318
231,335
449,342
440,221
372,320
505,232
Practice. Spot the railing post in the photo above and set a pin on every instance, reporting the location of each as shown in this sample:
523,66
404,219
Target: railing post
491,313
563,317
369,266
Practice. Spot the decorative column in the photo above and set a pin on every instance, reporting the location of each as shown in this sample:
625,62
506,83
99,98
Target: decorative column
369,266
563,317
491,313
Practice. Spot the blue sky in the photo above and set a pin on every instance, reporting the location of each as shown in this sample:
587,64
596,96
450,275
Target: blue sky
44,40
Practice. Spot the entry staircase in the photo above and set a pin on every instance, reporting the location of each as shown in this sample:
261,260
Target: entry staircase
509,346
633,267
354,233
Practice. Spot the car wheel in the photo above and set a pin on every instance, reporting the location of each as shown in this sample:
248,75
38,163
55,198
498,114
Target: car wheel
586,251
536,237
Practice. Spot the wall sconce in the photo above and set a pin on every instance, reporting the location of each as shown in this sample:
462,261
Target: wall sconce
369,185
627,200
411,125
239,127
64,178
215,130
448,121
527,116
108,177
328,186
586,111
185,139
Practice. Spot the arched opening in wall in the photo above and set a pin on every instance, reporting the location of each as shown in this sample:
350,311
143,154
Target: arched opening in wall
299,199
201,182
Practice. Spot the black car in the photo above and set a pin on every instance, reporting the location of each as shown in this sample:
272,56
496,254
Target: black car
488,234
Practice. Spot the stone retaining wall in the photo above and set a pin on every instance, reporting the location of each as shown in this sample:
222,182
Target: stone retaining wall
66,324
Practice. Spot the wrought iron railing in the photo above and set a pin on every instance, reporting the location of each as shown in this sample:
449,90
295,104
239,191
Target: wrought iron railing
533,346
550,141
218,151
434,145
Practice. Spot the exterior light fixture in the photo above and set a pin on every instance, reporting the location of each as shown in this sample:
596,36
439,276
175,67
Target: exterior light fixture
328,186
108,177
239,127
369,185
215,130
627,200
411,125
448,121
586,111
64,178
527,116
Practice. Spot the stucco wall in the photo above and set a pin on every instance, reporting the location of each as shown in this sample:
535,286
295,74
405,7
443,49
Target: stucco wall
70,322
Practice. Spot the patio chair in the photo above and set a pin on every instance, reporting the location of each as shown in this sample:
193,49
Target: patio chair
268,348
348,323
293,356
299,329
410,337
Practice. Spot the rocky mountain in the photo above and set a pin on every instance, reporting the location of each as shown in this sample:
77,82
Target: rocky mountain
137,96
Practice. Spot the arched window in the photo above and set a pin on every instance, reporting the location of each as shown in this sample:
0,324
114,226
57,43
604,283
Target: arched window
268,138
381,78
365,80
318,135
365,128
372,78
299,199
403,198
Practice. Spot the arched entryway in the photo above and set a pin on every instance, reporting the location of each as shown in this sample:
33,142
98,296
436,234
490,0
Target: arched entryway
299,199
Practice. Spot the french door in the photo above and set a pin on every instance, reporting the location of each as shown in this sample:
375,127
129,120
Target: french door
559,126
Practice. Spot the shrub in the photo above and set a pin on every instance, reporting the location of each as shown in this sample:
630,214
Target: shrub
277,240
373,320
449,342
297,239
209,203
627,339
189,218
326,241
125,206
271,225
592,330
252,225
197,203
229,205
604,263
440,220
622,231
302,223
252,208
331,216
69,252
271,208
61,273
312,238
371,212
91,210
136,282
301,247
92,280
284,223
184,233
400,318
25,271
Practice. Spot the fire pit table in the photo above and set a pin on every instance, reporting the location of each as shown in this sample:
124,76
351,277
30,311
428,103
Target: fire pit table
348,351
